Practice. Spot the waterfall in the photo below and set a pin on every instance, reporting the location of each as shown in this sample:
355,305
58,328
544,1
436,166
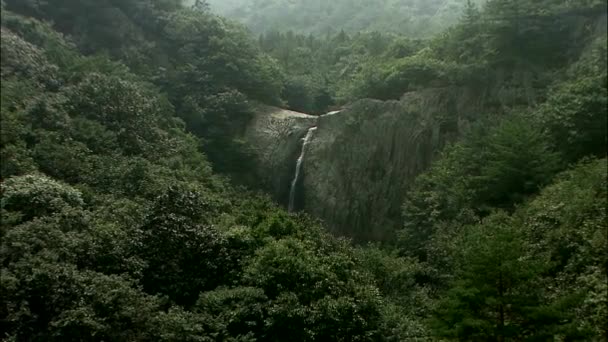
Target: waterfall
330,113
306,140
294,182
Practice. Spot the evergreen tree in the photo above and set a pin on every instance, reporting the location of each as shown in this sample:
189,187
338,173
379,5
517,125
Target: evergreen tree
495,294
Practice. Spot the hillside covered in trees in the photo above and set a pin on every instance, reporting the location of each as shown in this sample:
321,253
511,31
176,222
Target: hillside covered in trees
416,18
131,209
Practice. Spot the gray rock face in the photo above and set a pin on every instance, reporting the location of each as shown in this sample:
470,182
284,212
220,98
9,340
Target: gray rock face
275,136
361,160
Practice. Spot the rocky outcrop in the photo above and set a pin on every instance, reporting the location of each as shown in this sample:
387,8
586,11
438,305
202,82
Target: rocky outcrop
275,137
361,160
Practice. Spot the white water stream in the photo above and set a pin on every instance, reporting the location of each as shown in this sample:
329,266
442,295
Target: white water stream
330,113
294,182
306,140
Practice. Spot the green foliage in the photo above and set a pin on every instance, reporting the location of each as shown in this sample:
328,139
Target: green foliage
313,292
302,94
517,162
537,274
575,117
494,295
400,280
410,17
114,226
568,222
235,63
509,45
184,255
390,80
35,196
121,107
191,55
491,168
22,58
319,71
239,311
575,112
57,302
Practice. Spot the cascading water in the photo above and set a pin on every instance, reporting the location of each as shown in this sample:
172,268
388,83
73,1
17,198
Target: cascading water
306,140
294,182
330,113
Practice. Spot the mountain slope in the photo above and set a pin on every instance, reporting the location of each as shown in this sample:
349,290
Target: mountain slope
116,225
415,18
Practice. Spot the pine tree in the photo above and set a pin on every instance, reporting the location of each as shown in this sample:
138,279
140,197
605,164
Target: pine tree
494,296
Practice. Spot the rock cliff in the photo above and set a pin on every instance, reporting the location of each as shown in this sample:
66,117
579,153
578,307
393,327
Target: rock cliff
361,160
275,136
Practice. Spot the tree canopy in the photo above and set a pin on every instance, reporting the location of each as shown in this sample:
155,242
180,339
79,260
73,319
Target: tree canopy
124,216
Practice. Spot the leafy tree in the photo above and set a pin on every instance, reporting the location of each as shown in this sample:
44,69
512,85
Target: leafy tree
494,295
568,222
57,302
123,107
36,196
239,311
299,95
184,254
575,112
517,161
314,293
401,282
495,168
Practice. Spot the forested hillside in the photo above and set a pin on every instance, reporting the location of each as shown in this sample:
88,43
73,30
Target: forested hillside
417,18
114,226
500,63
132,209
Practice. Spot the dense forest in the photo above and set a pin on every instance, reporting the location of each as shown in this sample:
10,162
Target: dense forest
417,18
130,210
